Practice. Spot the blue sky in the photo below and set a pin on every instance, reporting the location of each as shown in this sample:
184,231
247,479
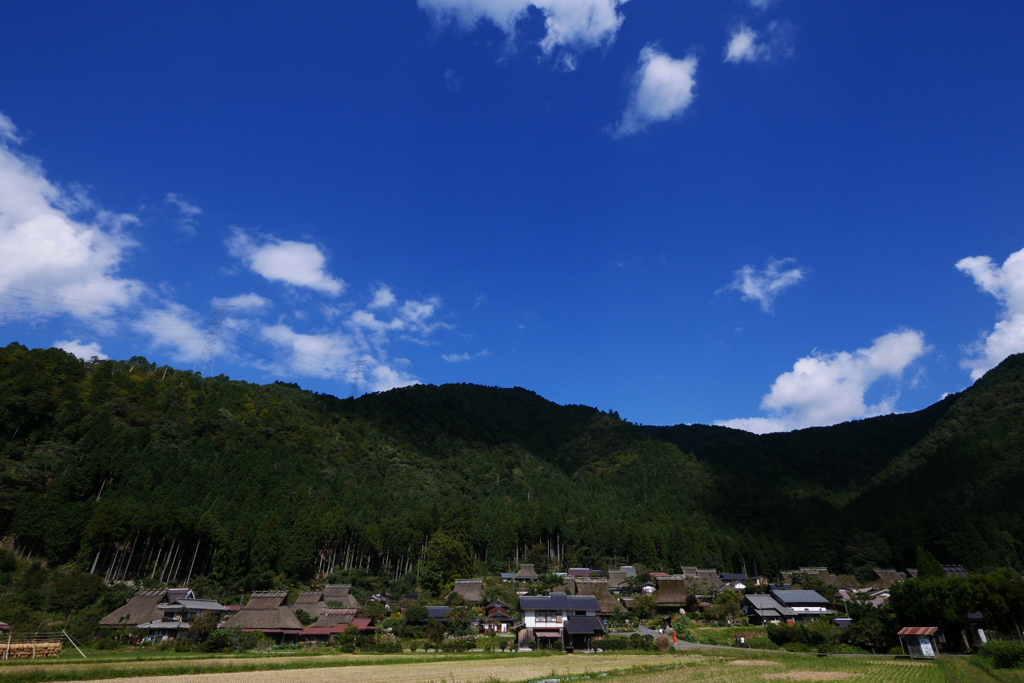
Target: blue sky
765,213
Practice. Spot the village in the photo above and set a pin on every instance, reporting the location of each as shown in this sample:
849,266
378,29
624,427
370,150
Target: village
588,610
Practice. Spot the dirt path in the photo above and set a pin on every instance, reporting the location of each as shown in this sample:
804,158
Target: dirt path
512,669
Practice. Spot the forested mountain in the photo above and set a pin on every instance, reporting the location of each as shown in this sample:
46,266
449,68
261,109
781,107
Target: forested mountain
133,470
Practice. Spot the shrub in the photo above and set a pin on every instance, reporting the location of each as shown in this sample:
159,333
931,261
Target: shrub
388,646
663,643
1003,654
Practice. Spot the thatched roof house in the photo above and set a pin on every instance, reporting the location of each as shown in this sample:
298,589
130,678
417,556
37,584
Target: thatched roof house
526,573
599,589
310,602
143,607
329,618
266,611
339,595
472,590
672,591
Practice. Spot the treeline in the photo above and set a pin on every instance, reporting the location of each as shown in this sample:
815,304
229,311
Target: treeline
131,470
137,471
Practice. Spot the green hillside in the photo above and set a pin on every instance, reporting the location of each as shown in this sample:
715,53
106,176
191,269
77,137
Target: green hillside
132,470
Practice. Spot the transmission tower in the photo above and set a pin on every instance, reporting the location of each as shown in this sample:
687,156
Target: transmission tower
204,364
355,376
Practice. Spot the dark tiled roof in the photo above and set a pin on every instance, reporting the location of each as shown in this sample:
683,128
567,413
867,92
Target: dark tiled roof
579,626
800,598
559,601
439,613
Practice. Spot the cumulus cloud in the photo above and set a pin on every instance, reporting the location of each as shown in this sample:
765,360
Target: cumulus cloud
299,264
1006,284
662,89
243,303
569,24
55,260
748,45
824,389
176,329
83,351
333,356
764,285
383,297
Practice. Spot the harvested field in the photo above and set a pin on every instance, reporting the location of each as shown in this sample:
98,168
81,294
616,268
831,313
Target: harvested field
812,675
470,671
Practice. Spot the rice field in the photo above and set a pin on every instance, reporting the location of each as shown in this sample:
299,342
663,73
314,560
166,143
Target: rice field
702,667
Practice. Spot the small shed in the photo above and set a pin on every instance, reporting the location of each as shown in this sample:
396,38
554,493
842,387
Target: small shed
920,642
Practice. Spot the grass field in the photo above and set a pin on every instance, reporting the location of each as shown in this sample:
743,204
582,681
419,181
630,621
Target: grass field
705,666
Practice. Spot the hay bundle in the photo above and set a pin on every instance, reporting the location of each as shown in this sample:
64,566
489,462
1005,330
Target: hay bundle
45,648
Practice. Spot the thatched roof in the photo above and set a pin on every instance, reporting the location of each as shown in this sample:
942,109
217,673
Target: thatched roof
887,577
340,593
142,608
527,573
673,591
472,590
617,579
330,618
264,611
599,589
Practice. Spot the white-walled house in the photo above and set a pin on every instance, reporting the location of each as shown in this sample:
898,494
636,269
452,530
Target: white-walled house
571,618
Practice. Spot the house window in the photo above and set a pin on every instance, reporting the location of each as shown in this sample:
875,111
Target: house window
548,616
581,612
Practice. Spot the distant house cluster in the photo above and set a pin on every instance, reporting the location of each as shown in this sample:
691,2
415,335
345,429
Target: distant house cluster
574,615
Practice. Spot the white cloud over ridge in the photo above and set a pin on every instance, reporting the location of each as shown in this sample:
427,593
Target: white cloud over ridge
52,261
825,389
569,24
77,348
60,257
300,264
763,286
663,88
1006,284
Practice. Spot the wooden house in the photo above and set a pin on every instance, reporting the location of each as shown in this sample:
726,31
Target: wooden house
143,607
266,611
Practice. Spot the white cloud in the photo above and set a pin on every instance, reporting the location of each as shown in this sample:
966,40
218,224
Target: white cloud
747,45
51,262
333,356
300,264
188,213
824,389
177,329
1006,284
569,24
8,131
763,286
762,4
662,89
83,351
383,297
462,357
249,303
